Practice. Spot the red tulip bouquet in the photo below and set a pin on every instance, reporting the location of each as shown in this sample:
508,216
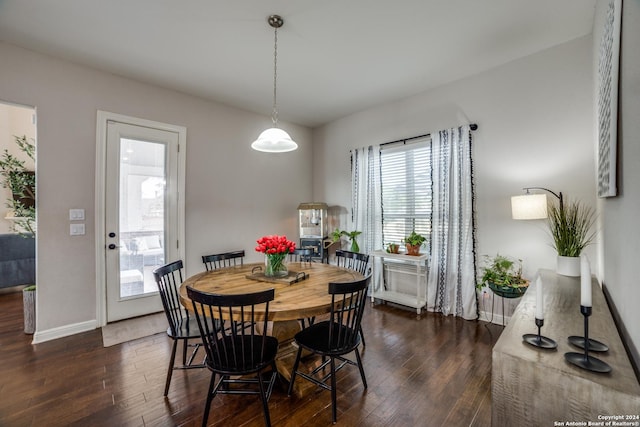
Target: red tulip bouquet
275,249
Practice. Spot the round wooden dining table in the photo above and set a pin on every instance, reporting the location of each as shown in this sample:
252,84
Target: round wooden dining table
300,300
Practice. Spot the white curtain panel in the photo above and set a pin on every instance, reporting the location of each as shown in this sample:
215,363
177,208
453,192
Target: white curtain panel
451,283
366,205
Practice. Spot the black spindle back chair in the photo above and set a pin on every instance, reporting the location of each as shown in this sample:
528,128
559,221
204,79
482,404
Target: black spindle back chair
169,278
237,344
301,255
334,338
226,259
354,261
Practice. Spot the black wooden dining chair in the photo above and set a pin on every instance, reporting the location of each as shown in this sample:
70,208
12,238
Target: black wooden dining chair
236,346
354,261
301,255
226,259
334,338
168,278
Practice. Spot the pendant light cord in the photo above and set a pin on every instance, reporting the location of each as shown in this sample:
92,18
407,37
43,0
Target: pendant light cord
274,114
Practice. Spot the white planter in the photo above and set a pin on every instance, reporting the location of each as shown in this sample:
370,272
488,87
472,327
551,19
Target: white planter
29,309
568,266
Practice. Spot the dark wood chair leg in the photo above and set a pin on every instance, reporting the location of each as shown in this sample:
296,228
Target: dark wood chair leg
334,410
170,371
364,380
185,349
207,405
362,337
293,372
265,404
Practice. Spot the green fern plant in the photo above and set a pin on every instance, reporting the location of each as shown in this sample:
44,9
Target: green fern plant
502,271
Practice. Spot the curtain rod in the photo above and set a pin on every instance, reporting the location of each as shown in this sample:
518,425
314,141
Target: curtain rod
472,126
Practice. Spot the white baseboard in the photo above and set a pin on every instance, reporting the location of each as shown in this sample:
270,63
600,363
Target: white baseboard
63,331
494,318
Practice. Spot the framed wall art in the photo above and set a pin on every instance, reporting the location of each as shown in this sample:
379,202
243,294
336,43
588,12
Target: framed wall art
607,99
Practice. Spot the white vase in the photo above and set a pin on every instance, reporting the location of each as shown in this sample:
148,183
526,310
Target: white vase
568,266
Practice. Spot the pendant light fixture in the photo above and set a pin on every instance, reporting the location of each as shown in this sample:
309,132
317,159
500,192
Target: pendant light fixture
274,139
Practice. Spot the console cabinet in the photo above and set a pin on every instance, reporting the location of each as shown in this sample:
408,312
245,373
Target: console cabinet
535,387
386,290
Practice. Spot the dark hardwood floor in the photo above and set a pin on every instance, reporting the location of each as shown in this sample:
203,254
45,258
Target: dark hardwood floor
427,371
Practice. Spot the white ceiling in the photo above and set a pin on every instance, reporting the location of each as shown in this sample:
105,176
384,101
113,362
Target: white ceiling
335,57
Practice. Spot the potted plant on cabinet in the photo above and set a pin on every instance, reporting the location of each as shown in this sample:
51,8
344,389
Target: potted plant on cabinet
413,243
393,248
352,235
503,275
570,226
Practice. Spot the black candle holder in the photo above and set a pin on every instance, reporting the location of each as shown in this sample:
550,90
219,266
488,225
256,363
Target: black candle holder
583,360
539,340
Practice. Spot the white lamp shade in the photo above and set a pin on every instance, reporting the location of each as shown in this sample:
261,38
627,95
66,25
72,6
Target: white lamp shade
529,206
274,140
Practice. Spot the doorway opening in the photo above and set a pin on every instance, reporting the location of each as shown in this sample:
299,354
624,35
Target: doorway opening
18,199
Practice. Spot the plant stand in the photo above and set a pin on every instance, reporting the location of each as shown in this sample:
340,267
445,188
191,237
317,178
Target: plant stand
504,292
29,307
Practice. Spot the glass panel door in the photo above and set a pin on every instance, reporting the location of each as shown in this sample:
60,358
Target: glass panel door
142,201
141,215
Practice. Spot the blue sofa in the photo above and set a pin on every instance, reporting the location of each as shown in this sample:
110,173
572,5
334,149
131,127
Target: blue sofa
17,260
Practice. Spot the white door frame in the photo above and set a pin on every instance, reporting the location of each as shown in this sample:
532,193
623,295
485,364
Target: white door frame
101,146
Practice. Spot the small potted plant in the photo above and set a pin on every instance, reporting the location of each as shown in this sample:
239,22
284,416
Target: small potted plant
352,235
503,275
413,243
393,248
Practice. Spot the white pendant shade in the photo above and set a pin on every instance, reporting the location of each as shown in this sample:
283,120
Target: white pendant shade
529,206
274,140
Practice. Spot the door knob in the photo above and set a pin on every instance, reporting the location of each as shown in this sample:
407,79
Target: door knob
112,234
112,246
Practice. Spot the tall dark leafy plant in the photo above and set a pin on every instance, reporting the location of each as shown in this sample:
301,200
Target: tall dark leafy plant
571,227
22,184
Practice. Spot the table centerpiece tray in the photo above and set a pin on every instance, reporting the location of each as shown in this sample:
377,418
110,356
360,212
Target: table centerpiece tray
292,276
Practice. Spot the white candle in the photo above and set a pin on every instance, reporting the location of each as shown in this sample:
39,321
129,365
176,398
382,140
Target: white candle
585,281
539,300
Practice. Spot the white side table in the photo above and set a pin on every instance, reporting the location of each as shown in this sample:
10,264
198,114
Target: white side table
388,292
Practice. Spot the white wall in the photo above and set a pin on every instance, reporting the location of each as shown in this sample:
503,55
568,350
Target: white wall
15,120
535,129
621,234
233,194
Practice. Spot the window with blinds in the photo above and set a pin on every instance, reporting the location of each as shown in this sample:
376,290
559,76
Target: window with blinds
405,175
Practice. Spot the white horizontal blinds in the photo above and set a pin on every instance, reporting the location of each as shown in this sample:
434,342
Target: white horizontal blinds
405,173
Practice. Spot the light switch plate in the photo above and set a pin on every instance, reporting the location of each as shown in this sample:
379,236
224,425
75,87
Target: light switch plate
76,229
76,215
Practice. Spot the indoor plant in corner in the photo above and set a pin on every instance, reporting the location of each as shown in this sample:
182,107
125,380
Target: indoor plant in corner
22,184
503,275
570,226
